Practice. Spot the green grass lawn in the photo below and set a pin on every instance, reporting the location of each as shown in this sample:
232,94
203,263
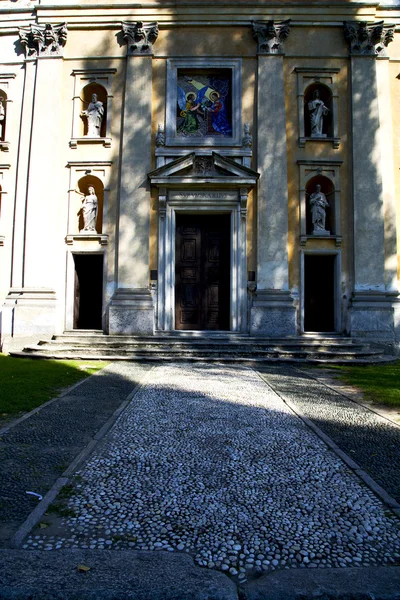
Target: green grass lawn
380,383
26,383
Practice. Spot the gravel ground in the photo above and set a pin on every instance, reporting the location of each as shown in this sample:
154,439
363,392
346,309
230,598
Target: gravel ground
372,441
210,461
35,452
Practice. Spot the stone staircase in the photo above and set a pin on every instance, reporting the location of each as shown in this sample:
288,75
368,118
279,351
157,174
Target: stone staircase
205,346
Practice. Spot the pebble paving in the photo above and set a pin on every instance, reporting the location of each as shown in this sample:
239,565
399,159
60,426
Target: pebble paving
372,441
36,451
210,461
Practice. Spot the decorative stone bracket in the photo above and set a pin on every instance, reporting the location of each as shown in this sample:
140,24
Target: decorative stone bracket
140,37
368,39
270,35
43,40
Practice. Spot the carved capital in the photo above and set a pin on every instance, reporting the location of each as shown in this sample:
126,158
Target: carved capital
43,40
270,35
140,37
247,140
368,39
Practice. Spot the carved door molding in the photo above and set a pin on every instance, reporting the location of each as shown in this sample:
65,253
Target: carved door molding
208,203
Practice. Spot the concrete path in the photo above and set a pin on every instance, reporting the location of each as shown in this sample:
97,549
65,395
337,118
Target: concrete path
209,485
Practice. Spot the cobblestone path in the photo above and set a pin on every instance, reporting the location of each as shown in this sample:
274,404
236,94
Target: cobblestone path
35,452
372,441
209,460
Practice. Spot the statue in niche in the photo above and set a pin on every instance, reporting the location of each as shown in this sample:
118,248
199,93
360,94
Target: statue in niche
89,210
94,114
319,204
2,117
318,111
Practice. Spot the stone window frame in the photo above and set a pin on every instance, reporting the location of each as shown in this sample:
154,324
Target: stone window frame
327,76
3,193
83,78
337,302
77,170
173,65
325,168
5,81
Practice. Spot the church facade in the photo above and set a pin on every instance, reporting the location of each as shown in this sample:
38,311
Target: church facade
226,166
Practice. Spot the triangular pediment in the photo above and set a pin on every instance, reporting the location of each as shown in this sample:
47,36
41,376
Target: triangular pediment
199,168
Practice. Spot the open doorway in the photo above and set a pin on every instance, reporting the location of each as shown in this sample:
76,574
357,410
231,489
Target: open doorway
88,291
319,293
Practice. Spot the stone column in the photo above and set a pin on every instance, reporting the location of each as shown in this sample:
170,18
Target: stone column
273,312
372,311
37,239
131,308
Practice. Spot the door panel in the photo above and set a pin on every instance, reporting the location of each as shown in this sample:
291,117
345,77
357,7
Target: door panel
202,291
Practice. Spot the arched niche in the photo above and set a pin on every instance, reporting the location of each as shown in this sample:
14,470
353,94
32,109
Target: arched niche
314,93
83,189
324,173
86,83
87,103
327,188
3,114
309,81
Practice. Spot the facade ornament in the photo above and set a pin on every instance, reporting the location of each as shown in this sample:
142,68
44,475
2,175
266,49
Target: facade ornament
368,39
243,195
160,137
43,40
203,165
247,140
140,37
270,35
319,204
162,203
94,114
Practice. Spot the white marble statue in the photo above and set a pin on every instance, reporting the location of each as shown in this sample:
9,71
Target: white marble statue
318,204
94,114
89,210
318,111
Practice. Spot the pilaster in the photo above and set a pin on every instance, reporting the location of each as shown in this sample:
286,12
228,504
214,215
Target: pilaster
372,309
31,304
131,308
273,312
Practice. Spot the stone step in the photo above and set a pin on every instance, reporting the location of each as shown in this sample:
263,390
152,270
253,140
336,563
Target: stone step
203,346
271,352
250,359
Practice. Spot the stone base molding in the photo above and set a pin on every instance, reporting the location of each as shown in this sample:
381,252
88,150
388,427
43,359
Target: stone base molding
131,312
27,313
375,315
273,314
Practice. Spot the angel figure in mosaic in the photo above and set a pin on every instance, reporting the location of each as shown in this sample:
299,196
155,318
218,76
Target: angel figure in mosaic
189,105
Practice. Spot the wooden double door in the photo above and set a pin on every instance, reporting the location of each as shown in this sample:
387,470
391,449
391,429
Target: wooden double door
202,272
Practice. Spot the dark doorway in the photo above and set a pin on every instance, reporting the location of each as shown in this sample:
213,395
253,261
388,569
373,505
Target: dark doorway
202,274
319,293
88,291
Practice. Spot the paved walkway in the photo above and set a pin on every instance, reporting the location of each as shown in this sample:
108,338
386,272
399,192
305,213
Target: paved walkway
207,472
